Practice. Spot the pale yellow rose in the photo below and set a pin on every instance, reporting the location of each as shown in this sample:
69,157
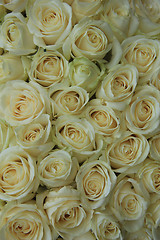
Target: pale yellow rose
129,203
155,147
105,226
143,113
24,221
22,102
50,21
86,8
118,86
143,53
57,169
66,214
18,177
68,100
102,117
48,68
95,180
78,136
127,152
14,5
92,39
35,137
15,36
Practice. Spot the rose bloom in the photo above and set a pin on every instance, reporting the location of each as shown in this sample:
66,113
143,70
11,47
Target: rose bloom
143,53
92,39
118,86
18,176
35,137
102,117
143,233
15,36
48,68
66,214
77,135
129,203
23,102
24,221
57,169
127,152
68,100
149,174
95,180
155,147
8,68
14,5
143,113
50,22
105,226
121,18
86,8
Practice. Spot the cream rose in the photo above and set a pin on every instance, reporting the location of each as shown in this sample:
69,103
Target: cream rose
86,8
120,17
118,86
105,226
92,39
21,102
155,147
127,152
35,137
143,53
149,174
66,213
24,221
129,203
50,22
18,176
48,68
78,135
102,118
8,68
68,100
95,180
143,113
14,5
15,36
57,169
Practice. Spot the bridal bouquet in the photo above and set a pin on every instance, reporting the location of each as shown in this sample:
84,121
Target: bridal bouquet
79,119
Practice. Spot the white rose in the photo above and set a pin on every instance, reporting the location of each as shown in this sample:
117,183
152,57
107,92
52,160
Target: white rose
102,117
68,100
22,102
78,135
143,53
95,180
8,68
128,151
155,147
143,113
50,22
57,169
48,68
92,39
14,5
66,213
89,8
18,179
118,86
105,226
24,221
15,36
35,137
120,17
129,203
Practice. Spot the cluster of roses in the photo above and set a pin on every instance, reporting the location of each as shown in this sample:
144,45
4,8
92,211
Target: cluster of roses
79,119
